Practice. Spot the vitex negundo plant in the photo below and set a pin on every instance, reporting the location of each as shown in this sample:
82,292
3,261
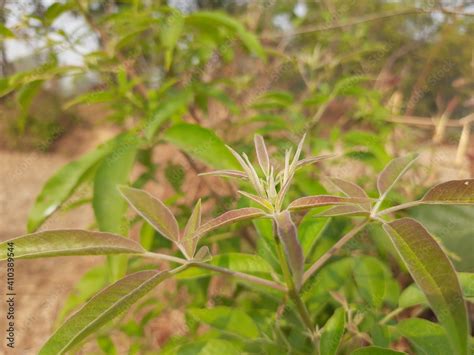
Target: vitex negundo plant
426,261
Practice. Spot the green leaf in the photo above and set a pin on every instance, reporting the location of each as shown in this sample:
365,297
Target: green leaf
53,12
221,20
310,230
170,105
227,319
194,221
153,211
370,276
288,235
207,347
109,206
344,210
93,97
433,272
332,333
393,172
102,308
62,184
201,143
170,32
375,350
452,192
68,242
426,337
324,200
412,295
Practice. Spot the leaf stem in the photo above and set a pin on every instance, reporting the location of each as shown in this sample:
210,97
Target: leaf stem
241,275
399,207
336,247
390,315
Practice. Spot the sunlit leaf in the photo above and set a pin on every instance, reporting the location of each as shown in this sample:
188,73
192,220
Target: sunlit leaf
350,189
332,333
288,235
227,319
103,307
452,192
433,272
426,337
153,211
228,218
62,184
5,32
324,200
260,200
207,347
203,255
262,154
170,32
393,172
68,242
201,143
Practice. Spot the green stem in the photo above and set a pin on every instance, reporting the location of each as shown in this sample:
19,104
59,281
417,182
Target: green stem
392,314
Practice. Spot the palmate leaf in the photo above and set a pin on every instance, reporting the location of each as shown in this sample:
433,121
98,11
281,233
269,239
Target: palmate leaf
433,272
456,192
153,211
324,200
69,242
227,218
103,307
393,172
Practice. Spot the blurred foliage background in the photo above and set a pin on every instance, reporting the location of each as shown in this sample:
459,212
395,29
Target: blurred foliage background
166,83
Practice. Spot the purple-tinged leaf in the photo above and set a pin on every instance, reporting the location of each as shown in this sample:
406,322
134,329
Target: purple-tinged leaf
69,242
288,235
451,192
435,275
262,154
153,211
229,217
343,210
187,241
260,200
351,190
312,160
226,173
393,172
324,200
